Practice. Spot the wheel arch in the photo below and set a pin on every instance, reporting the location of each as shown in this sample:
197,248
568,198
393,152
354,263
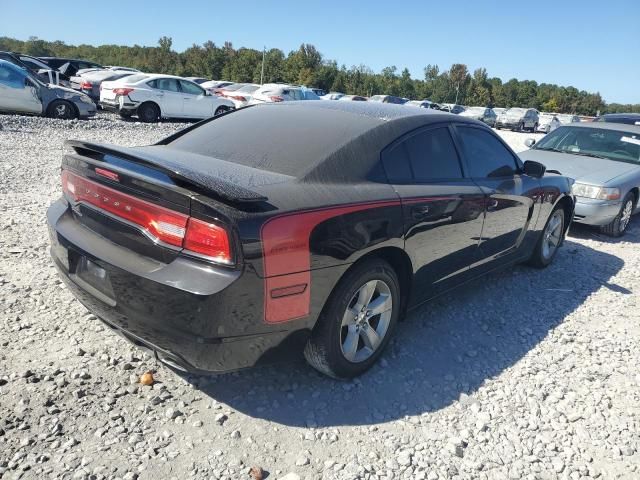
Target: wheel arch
399,260
636,193
568,205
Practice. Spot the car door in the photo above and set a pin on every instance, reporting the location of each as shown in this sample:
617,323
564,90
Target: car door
166,93
442,209
18,93
195,104
511,196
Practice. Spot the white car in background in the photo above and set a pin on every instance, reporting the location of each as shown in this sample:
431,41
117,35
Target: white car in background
547,122
153,96
277,92
242,96
567,118
332,96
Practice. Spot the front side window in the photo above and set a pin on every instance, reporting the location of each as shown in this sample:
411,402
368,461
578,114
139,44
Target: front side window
190,88
486,155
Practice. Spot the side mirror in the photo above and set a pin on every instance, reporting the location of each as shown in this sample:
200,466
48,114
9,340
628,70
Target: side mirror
534,169
530,142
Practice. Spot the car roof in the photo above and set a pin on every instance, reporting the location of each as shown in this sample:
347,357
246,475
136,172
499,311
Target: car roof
620,127
353,135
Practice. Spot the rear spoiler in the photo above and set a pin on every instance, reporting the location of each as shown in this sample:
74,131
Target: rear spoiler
225,190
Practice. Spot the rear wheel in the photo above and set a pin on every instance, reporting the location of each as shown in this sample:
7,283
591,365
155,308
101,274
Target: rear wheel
535,128
619,224
521,127
357,321
125,114
550,239
62,109
149,112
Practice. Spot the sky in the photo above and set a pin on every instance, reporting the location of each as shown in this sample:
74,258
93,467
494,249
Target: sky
591,45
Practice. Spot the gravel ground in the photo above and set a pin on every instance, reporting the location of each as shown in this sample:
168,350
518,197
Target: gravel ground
527,374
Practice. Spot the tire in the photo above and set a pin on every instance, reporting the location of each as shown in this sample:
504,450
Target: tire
341,342
221,110
124,114
149,112
521,127
62,109
535,127
619,224
550,239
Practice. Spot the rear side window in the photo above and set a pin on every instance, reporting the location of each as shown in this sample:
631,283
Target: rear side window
427,156
169,84
486,155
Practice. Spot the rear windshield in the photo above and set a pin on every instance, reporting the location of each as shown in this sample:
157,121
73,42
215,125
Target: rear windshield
136,78
284,139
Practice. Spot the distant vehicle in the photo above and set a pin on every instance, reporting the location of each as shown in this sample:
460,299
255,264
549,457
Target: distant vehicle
198,80
22,92
388,99
318,91
82,71
604,160
547,122
68,66
43,71
423,104
499,110
277,92
484,114
353,98
152,97
124,69
628,118
566,119
332,96
211,85
90,82
242,96
452,108
519,119
229,88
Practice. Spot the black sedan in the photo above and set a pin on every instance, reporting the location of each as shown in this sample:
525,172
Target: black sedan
219,250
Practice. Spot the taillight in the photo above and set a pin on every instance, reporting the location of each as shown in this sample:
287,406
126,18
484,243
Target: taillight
277,98
122,91
207,239
86,85
237,97
174,228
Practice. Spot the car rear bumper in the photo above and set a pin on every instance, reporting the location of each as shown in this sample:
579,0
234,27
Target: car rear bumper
119,104
508,124
193,316
596,212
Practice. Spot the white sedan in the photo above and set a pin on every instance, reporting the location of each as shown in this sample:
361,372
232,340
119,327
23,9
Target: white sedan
152,97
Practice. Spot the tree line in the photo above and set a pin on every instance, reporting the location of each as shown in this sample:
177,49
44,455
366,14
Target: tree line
307,66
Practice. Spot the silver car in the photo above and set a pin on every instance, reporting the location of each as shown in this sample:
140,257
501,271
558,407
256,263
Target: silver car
520,119
483,114
547,122
604,160
568,118
22,92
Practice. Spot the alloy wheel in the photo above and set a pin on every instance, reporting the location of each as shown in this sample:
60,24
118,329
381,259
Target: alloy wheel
625,216
365,321
61,110
552,235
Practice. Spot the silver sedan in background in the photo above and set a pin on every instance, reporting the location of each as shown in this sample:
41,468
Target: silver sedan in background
483,114
604,161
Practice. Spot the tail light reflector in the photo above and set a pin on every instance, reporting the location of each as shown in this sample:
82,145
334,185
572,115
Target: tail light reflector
86,85
237,97
123,91
276,98
207,239
168,226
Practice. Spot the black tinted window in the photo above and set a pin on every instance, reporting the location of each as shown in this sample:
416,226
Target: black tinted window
396,163
432,155
485,154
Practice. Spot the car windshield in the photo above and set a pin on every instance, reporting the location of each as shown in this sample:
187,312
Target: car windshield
136,78
565,118
593,142
475,110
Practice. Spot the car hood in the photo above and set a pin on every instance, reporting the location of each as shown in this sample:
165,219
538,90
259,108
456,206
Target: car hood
590,170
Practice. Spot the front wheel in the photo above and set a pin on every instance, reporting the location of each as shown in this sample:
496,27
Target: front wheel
535,128
357,321
221,110
61,109
619,224
550,240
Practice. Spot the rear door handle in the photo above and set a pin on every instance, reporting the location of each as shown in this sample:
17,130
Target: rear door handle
418,213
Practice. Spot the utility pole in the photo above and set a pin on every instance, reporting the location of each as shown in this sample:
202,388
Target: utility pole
264,49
